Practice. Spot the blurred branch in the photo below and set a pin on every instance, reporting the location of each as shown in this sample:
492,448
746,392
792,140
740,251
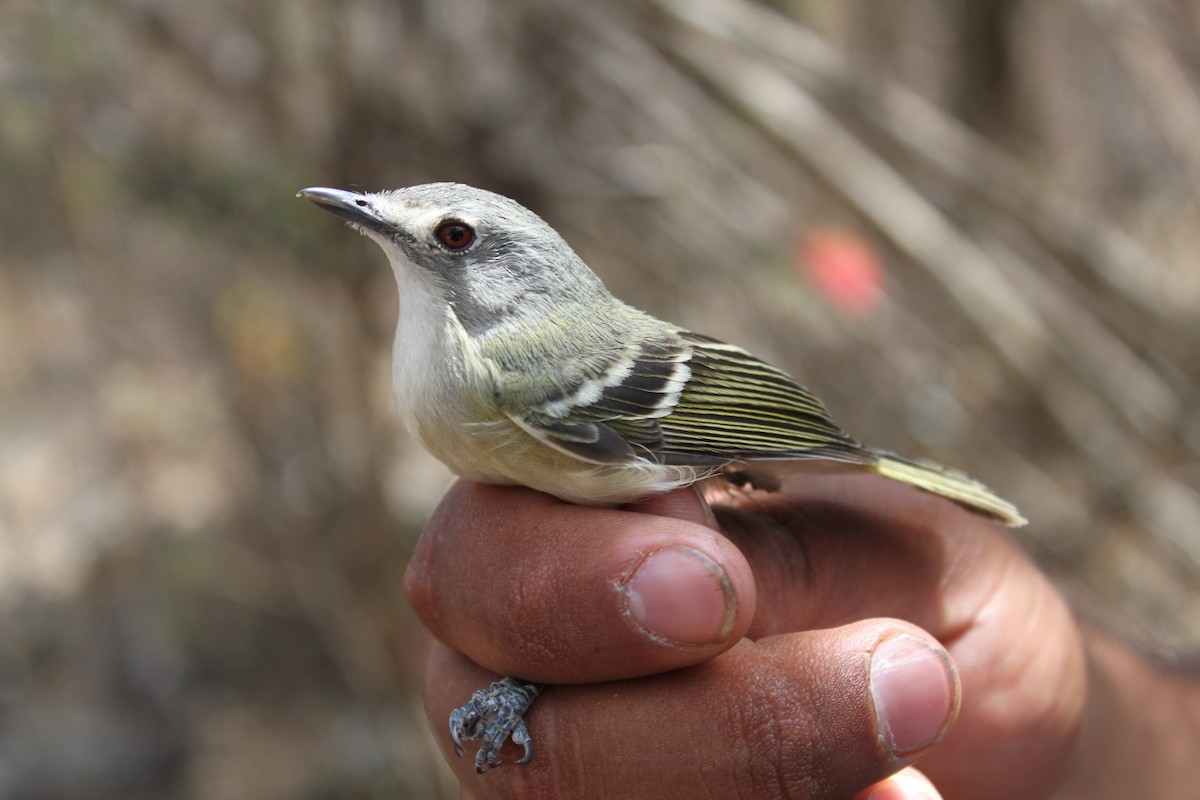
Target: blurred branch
926,131
1028,321
1162,81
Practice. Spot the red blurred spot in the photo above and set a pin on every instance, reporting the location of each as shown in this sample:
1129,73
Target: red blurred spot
844,269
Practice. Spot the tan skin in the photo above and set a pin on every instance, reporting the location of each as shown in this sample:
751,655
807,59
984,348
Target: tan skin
780,705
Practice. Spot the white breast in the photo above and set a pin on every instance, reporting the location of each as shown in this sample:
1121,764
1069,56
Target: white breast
443,389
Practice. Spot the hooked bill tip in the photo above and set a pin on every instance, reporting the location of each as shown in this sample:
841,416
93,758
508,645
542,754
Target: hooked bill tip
312,192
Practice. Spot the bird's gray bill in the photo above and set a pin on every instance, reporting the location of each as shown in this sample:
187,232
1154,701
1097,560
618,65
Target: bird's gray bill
349,205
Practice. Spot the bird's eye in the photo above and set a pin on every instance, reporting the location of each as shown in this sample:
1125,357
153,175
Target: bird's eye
455,235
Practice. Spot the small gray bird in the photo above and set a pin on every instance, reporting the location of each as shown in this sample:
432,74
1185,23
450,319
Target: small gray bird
514,365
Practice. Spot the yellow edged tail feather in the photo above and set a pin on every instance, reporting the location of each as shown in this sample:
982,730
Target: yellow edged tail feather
949,483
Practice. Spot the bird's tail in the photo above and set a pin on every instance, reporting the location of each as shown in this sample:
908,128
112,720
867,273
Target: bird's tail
949,483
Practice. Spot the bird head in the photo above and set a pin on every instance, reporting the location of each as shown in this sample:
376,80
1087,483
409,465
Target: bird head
487,257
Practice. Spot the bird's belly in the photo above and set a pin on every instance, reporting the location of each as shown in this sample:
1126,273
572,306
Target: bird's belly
498,451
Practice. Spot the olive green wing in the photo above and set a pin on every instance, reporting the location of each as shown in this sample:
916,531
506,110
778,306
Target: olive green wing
690,400
739,408
695,401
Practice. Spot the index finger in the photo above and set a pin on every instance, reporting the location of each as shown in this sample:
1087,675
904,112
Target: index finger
527,585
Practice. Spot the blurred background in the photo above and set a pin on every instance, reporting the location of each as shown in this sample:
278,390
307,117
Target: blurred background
971,227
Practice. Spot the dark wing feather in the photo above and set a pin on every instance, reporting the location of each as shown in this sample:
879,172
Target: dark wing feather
691,401
738,407
590,417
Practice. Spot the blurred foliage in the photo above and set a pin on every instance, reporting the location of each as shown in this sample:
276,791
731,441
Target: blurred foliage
206,503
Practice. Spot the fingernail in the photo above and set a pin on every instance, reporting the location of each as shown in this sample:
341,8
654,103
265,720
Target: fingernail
680,596
915,690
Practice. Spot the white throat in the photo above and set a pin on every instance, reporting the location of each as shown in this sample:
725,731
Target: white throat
438,378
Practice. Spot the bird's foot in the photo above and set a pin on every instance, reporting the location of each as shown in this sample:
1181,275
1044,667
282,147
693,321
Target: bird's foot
493,715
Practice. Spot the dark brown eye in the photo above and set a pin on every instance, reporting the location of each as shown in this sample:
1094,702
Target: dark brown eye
455,235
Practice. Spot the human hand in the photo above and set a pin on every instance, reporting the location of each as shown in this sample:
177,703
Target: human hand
797,655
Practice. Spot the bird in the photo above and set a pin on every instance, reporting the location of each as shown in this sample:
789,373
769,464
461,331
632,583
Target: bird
513,364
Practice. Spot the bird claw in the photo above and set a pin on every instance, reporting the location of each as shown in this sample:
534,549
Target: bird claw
464,724
493,715
528,743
